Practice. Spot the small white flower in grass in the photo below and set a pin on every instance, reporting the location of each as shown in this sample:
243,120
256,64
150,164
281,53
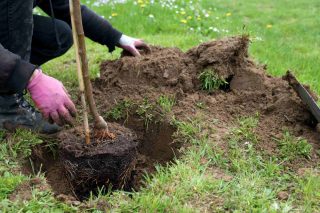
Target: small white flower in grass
214,29
275,206
151,16
247,143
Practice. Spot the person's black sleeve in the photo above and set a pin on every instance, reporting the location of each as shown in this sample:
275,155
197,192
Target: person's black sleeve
14,72
95,27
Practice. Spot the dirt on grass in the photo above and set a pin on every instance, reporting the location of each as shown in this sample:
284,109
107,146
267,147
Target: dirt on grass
171,72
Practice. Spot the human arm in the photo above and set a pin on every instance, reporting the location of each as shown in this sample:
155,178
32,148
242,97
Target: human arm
14,72
95,27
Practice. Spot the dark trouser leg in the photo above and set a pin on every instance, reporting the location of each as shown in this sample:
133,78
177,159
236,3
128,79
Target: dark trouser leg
45,44
16,26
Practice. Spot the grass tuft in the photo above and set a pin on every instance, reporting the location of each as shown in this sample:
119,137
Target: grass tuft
292,147
120,110
21,143
244,134
8,183
187,129
146,112
166,103
211,81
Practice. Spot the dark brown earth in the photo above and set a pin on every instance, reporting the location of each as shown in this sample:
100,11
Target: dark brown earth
251,90
171,72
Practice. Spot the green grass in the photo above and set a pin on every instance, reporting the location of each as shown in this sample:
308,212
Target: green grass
292,147
146,111
8,182
120,110
210,81
285,35
166,103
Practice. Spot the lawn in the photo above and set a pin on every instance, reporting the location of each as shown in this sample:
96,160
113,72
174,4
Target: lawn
285,35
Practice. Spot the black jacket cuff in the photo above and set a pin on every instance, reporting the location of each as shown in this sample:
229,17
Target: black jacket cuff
113,39
19,79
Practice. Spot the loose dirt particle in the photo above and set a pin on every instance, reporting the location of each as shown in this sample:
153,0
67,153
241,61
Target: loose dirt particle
283,195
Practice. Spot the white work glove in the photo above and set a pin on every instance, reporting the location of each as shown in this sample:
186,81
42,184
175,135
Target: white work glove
132,44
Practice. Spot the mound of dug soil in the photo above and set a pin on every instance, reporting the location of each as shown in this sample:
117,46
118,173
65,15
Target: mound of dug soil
171,72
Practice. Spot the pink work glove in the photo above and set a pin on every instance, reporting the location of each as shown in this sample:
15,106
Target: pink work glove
132,44
51,98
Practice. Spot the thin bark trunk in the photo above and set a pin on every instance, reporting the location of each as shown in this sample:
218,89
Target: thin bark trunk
77,29
80,78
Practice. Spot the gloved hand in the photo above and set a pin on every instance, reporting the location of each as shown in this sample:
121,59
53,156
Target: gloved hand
51,98
131,44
